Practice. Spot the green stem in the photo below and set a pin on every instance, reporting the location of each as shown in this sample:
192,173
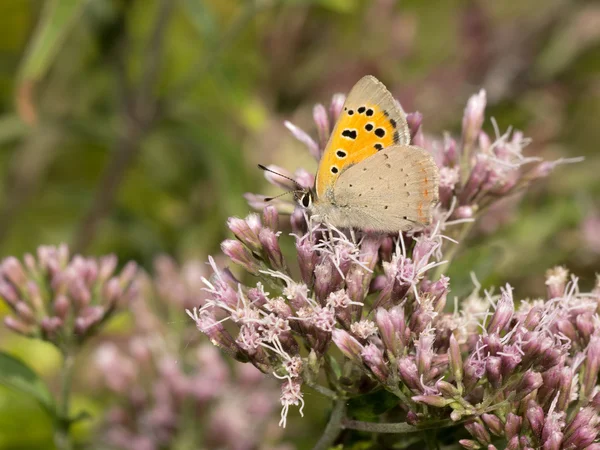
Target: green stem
334,426
62,437
396,428
321,389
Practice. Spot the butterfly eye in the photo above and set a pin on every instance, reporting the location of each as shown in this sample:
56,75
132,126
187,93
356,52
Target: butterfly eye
306,200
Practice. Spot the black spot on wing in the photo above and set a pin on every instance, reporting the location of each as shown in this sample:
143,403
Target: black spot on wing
369,127
380,132
369,112
350,134
393,123
396,137
341,153
378,146
361,109
334,169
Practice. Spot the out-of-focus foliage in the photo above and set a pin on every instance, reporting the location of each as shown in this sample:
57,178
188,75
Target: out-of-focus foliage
134,126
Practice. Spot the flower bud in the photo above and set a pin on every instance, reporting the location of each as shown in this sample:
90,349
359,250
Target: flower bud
535,417
241,229
469,444
18,326
473,119
455,358
240,255
436,401
307,260
479,432
301,135
322,121
556,280
505,309
271,217
592,366
494,424
492,369
324,280
373,359
270,244
409,373
25,312
8,293
336,106
513,425
388,332
529,383
349,346
414,121
11,268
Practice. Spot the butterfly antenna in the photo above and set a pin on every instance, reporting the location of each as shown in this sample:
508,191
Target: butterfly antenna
268,199
266,169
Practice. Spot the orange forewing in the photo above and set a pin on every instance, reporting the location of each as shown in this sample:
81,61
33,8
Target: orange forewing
360,132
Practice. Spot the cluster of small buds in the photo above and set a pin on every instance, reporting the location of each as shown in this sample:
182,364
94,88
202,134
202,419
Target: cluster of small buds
61,299
324,304
165,386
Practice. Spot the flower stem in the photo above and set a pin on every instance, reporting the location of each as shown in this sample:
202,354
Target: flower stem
401,427
62,437
334,426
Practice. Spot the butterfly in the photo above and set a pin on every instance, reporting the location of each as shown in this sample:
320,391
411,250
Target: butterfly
369,176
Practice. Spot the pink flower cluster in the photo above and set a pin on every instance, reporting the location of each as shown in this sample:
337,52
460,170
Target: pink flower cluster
61,299
166,386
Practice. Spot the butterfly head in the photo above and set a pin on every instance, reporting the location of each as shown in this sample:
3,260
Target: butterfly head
304,198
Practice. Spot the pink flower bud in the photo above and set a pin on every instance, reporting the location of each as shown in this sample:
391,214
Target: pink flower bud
409,373
535,417
349,346
556,280
505,309
271,218
529,383
469,444
25,312
414,121
241,229
479,432
128,274
322,121
270,244
473,119
592,365
336,106
61,306
301,135
513,425
373,359
11,268
240,255
8,293
18,326
494,424
492,369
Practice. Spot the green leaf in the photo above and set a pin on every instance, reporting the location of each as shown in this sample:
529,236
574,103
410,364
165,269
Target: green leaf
16,375
370,406
57,20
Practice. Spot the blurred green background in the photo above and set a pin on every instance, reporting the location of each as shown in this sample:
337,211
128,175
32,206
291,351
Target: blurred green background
135,126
